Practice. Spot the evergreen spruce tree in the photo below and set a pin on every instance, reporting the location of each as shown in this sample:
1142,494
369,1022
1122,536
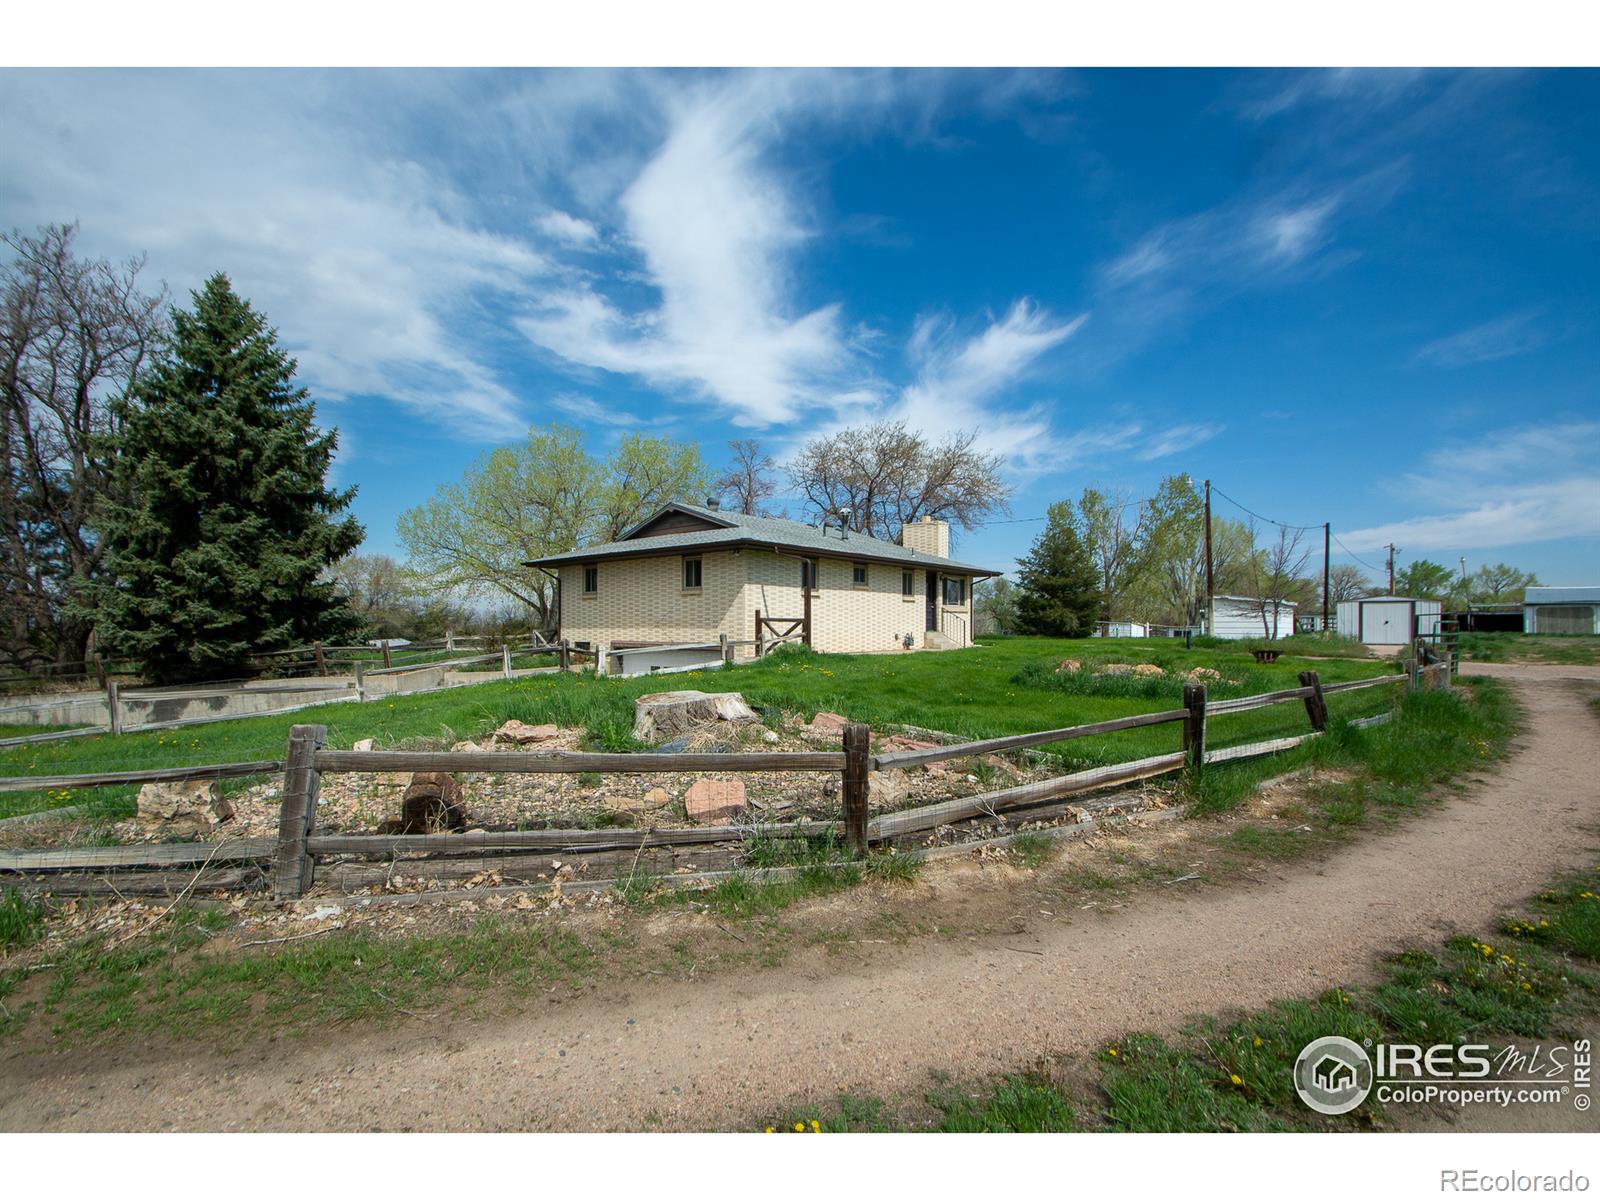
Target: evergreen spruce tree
218,550
1058,589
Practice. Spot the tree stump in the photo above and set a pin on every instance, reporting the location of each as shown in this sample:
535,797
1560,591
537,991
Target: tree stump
431,804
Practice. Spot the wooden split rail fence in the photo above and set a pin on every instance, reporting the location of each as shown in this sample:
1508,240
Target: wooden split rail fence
288,863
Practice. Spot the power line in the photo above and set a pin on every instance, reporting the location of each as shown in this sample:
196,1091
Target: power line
1280,524
1358,558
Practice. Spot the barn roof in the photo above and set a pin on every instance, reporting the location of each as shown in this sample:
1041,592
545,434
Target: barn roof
723,530
1561,595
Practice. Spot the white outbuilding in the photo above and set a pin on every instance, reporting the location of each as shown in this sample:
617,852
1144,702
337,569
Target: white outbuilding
1133,629
1388,620
1561,610
1238,617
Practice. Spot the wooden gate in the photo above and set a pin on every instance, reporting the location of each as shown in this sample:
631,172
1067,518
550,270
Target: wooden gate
773,631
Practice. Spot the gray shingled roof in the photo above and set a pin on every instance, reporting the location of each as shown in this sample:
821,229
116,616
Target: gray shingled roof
740,530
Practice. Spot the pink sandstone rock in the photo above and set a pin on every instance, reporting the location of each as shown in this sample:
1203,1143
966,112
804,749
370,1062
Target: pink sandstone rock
715,799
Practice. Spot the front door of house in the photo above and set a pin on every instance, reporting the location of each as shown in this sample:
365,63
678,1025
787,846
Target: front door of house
933,600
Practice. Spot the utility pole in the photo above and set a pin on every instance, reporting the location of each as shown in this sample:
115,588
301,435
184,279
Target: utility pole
1327,536
1210,582
1392,548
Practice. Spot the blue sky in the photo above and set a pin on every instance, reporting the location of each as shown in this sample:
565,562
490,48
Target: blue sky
1367,297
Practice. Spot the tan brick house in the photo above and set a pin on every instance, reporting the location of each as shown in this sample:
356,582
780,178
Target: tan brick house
691,573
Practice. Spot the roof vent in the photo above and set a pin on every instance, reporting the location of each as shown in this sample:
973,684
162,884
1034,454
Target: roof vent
713,503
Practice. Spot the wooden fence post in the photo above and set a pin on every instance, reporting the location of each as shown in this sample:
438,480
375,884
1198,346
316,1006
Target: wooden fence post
361,687
758,633
505,660
566,655
100,669
298,811
727,649
1194,725
114,706
450,641
386,661
1316,703
600,660
857,750
322,663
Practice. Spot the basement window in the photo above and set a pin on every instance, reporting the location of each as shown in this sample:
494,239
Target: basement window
591,580
691,574
858,574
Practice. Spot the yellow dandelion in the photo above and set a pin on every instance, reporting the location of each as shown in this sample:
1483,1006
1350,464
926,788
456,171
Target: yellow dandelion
1237,1082
1112,1052
815,1127
1258,1041
799,1127
769,1129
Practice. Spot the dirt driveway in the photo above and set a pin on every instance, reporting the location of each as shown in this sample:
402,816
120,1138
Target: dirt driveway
714,1053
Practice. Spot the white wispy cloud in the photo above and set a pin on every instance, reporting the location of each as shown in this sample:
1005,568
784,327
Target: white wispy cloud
1347,88
1524,485
1503,337
714,226
959,381
1537,512
1175,439
565,227
588,410
364,260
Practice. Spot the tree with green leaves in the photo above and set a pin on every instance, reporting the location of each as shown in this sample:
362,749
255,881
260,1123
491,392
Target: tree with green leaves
219,525
994,603
1058,587
1425,580
645,473
1500,583
514,504
1116,530
544,496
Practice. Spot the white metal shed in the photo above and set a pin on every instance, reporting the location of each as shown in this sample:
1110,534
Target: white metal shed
1239,617
1388,620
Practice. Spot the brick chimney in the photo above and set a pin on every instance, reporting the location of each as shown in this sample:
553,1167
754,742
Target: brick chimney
927,536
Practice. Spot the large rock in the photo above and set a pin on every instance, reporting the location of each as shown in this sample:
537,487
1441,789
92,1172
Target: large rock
828,722
431,804
669,714
714,800
519,733
886,789
184,807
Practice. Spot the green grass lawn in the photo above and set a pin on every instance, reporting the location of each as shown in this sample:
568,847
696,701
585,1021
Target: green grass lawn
1006,686
1564,649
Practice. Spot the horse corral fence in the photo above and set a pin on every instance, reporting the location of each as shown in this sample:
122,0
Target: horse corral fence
300,858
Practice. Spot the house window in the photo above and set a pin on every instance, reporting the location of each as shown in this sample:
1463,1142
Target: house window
808,574
591,580
955,591
858,574
908,584
691,574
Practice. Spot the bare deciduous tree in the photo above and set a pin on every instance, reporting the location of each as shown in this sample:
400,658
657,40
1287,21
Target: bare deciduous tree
1277,570
75,335
875,479
748,480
